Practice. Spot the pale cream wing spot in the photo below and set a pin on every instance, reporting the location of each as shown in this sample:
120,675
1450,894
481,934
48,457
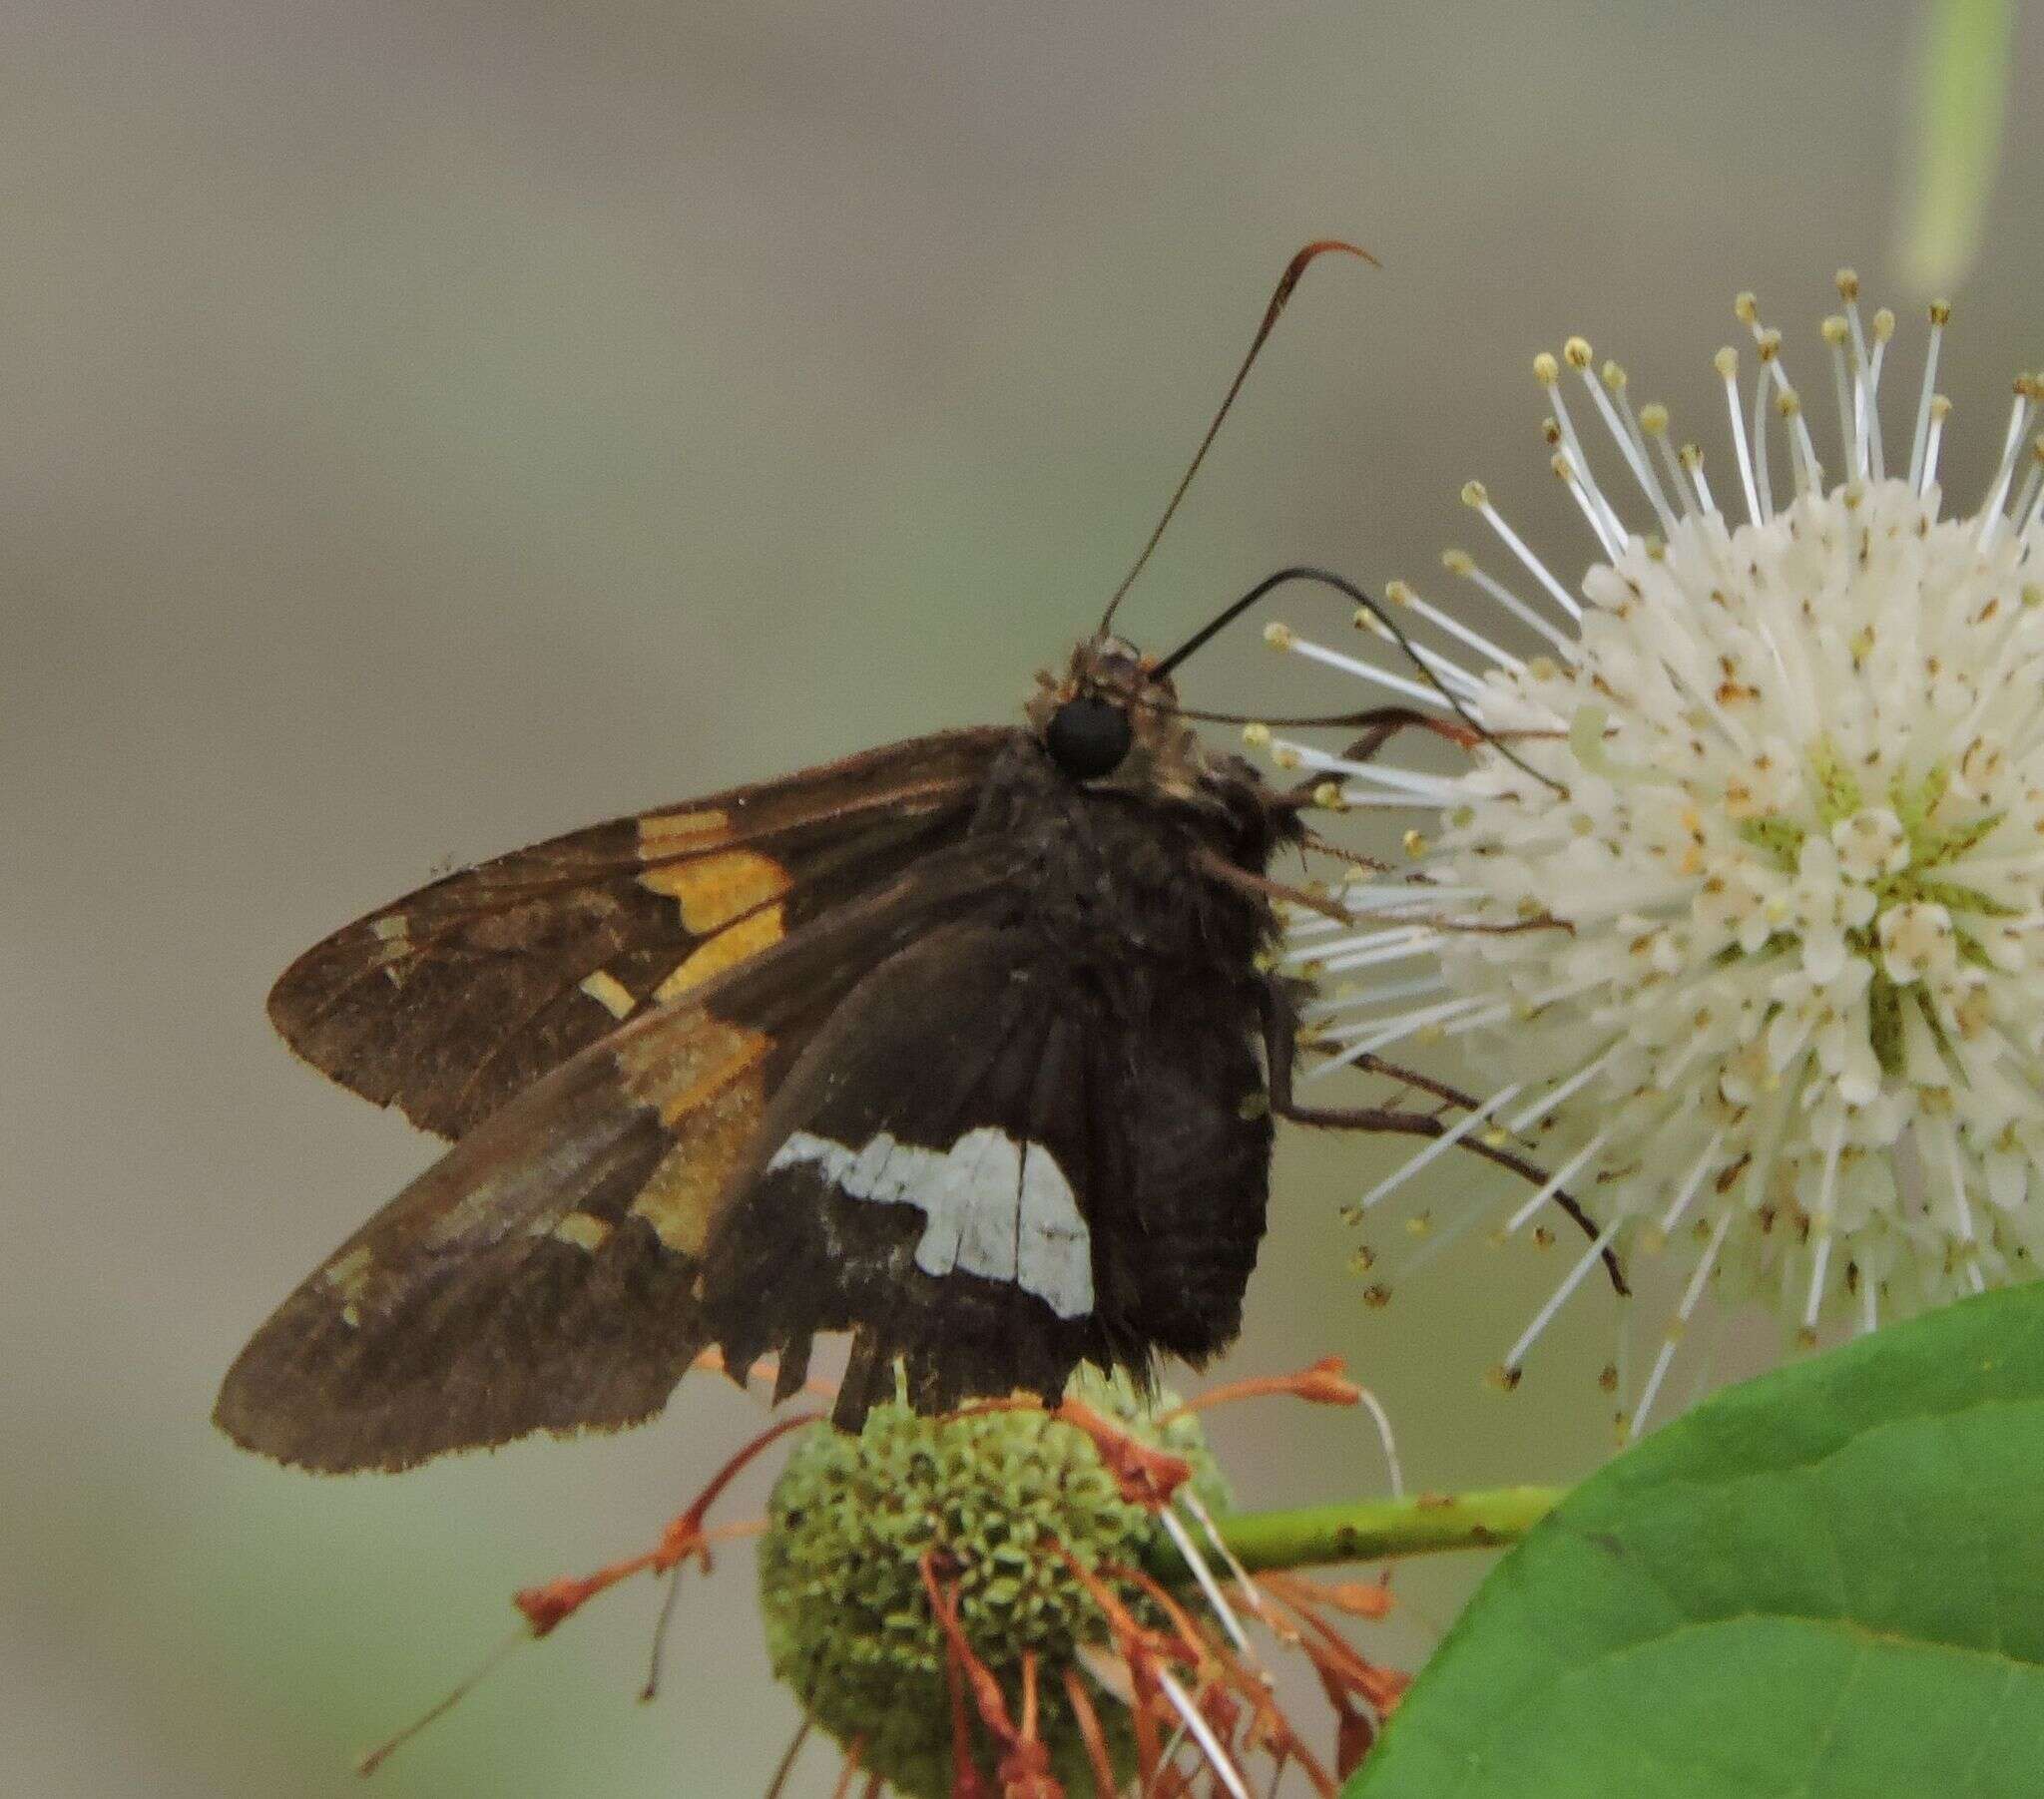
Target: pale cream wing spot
392,946
1053,1248
974,1193
994,1207
678,833
609,992
348,1275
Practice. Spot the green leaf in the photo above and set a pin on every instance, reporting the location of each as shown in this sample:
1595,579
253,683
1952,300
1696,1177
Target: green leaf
1827,1581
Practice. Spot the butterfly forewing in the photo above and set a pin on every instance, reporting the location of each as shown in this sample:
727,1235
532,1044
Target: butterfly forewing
452,1000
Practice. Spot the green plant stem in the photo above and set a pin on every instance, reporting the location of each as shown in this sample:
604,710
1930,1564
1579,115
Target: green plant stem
1962,86
1372,1530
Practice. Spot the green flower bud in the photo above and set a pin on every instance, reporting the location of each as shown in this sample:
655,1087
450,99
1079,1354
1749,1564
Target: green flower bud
848,1623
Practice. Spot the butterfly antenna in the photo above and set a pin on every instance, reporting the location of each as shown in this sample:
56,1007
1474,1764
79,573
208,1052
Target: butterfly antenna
1376,609
1271,313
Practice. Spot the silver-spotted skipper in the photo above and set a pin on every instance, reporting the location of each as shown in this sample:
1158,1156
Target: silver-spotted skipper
961,1045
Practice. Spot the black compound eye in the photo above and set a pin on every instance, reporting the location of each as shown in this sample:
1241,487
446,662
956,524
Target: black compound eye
1088,738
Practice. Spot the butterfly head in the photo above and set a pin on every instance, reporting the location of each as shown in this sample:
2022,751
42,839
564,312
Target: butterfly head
1111,716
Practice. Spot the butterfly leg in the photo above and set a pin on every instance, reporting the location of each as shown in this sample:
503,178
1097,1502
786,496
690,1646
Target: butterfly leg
1281,1039
1379,725
1263,887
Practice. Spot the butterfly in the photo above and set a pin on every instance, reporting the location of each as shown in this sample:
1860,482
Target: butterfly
968,1045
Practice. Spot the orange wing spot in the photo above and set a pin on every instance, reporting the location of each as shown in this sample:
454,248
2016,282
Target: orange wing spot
743,1053
710,1088
714,890
762,931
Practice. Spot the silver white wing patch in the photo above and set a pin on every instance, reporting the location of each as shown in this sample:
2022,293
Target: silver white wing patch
995,1208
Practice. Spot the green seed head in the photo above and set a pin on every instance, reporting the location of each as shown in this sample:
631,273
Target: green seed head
848,1624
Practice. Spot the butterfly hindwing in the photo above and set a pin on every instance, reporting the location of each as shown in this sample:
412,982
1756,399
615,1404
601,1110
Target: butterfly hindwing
993,1167
544,1273
504,1291
452,1000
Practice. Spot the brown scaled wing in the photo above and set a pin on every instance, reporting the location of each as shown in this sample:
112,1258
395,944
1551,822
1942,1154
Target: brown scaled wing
448,1002
542,1276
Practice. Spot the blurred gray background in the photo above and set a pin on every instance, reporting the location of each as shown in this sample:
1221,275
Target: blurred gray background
425,427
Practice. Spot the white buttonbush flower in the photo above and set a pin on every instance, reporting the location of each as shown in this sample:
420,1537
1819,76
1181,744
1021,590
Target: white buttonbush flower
1747,942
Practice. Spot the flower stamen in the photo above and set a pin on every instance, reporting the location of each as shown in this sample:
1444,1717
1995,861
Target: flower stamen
1636,427
1920,475
1726,364
1684,1310
1475,496
1282,637
1461,563
1398,592
1571,462
1623,434
1439,1146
